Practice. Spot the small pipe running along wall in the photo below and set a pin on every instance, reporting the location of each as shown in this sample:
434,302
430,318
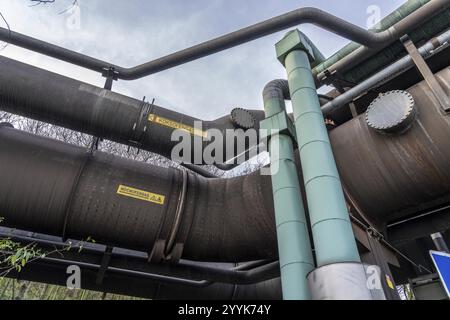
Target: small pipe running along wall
60,189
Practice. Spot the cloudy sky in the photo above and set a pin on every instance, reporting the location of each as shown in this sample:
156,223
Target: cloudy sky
131,32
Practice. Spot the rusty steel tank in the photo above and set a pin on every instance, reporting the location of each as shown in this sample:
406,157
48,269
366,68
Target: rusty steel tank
392,176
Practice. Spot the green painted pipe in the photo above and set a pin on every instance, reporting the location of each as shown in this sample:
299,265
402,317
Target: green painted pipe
330,223
428,30
388,55
400,13
294,247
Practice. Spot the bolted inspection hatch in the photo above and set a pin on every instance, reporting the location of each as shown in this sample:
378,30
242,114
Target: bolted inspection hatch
392,112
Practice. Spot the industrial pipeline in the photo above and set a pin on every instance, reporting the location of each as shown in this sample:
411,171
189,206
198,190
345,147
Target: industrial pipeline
55,188
383,160
402,21
60,189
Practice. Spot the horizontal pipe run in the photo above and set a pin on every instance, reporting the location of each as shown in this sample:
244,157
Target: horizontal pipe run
376,80
53,272
270,26
132,276
195,273
129,204
48,97
406,19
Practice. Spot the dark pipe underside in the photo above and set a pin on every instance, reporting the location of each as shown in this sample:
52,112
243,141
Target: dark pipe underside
128,272
55,273
48,186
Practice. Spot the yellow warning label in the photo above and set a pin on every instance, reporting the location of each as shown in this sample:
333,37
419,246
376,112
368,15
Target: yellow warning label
140,194
389,282
176,125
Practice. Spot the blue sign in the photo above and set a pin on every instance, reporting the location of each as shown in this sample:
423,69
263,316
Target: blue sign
441,261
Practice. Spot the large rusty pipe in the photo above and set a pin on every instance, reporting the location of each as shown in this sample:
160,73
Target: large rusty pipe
394,176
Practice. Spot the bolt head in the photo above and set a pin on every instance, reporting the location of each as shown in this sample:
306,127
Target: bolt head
294,40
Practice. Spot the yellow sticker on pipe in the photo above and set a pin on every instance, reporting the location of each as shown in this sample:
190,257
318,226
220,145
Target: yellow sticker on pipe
141,194
389,282
176,125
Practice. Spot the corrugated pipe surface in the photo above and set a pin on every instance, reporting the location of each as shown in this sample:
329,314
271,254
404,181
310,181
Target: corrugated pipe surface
59,189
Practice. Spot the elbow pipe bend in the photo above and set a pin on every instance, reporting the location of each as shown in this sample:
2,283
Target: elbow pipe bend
278,89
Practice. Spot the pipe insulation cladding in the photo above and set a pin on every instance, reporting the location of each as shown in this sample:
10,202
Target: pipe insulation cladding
55,188
45,96
384,174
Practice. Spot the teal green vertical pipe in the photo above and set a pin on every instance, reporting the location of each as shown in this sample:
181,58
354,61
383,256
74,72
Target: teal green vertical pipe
294,247
330,222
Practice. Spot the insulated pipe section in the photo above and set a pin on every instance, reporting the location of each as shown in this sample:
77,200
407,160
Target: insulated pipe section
290,19
198,274
330,223
45,96
294,246
386,74
413,16
59,189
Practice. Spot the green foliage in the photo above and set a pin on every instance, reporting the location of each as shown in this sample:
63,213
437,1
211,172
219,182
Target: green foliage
11,289
15,256
19,256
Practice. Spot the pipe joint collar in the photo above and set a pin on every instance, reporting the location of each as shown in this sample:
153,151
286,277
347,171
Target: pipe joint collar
279,123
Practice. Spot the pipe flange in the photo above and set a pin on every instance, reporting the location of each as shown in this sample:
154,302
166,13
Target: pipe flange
242,118
392,112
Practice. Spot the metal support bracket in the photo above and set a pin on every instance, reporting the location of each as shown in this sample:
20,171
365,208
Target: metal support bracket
427,74
279,123
104,265
140,125
111,75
